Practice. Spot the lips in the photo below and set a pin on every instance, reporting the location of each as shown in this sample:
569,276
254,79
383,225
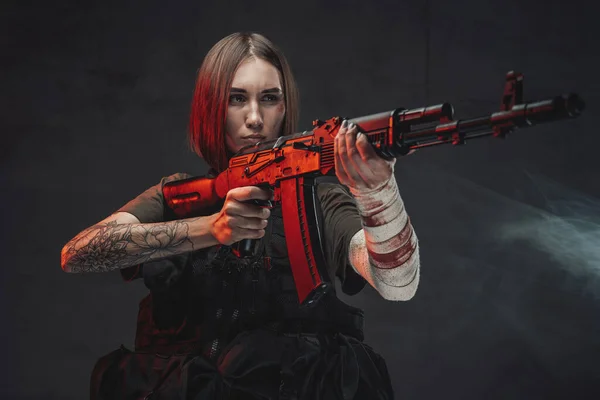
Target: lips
254,137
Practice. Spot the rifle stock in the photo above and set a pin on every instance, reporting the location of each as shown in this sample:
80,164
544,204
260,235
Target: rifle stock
290,164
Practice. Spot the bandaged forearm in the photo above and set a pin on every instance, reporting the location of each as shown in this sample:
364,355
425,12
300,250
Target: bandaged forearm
386,251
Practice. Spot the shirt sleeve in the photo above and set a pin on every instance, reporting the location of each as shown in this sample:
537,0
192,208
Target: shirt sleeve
341,221
148,207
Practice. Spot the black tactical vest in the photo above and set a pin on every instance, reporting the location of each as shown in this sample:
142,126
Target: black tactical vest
200,301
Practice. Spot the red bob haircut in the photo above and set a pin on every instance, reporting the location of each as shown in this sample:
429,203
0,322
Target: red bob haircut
209,104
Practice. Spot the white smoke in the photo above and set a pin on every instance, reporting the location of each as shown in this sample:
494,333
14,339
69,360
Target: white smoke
528,230
566,227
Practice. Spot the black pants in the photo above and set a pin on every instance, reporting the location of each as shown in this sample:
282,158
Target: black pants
257,364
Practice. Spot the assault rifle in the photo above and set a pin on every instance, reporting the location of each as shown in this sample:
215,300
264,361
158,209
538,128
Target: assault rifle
290,164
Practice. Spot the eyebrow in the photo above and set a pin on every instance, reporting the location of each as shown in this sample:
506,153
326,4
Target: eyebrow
271,90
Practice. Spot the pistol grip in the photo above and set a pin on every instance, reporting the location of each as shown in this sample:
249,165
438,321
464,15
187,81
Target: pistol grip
247,248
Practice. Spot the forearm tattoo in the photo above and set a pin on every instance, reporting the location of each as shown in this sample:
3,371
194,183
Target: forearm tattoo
112,246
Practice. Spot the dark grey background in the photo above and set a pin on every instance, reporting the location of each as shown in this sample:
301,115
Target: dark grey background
95,101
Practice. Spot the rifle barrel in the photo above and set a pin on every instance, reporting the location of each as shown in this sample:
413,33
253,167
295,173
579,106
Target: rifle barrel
521,115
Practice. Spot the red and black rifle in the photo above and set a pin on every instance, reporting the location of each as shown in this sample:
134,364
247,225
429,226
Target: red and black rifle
290,164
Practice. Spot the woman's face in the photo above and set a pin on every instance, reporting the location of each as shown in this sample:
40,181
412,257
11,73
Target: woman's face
256,105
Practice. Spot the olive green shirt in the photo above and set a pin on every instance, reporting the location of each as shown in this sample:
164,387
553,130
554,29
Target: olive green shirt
341,222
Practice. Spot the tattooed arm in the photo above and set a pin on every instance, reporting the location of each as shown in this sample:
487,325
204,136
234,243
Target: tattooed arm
121,241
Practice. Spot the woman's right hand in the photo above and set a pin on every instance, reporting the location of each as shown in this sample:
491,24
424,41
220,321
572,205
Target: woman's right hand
239,218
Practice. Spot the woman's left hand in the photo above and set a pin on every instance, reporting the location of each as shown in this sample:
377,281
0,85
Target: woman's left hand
357,165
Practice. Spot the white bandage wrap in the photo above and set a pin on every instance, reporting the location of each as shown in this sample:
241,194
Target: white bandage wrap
386,251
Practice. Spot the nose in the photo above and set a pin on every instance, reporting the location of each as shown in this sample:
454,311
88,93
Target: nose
254,118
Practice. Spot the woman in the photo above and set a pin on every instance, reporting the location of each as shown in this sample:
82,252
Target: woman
216,326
